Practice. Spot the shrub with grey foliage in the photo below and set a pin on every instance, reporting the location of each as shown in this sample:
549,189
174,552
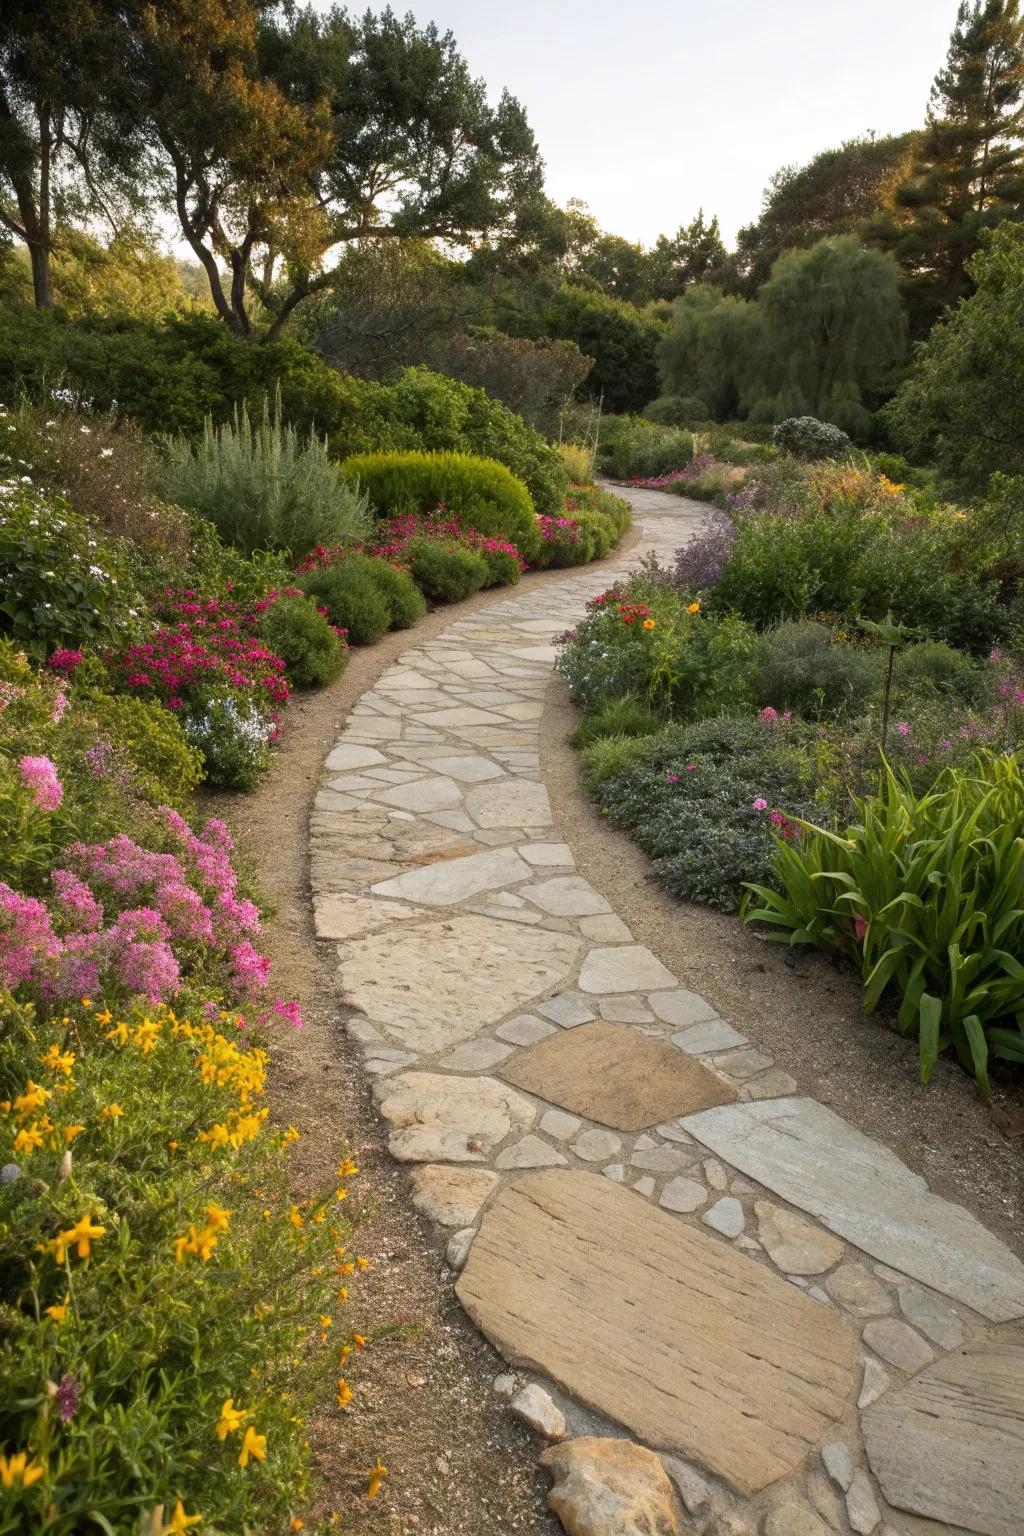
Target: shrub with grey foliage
809,438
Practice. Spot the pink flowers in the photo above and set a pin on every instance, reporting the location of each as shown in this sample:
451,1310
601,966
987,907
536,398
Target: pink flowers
65,660
759,804
394,537
39,774
768,715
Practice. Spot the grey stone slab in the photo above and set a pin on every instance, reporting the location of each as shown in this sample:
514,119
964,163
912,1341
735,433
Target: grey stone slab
681,1008
548,855
556,1123
348,755
898,1344
446,882
525,1029
625,1009
725,1216
949,1445
519,804
683,1195
531,1152
476,1056
469,768
626,968
433,794
703,1039
607,929
569,1010
859,1189
566,896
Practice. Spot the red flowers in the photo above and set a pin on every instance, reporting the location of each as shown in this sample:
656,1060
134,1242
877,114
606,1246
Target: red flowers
211,646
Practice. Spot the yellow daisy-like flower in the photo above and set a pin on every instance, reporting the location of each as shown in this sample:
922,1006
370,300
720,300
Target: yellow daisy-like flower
81,1237
375,1478
71,1131
58,1312
650,623
217,1218
253,1445
32,1099
231,1418
291,1134
112,1112
17,1469
120,1034
28,1138
58,1060
180,1522
693,608
344,1393
348,1169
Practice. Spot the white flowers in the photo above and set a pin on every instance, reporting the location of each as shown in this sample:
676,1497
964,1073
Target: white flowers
106,453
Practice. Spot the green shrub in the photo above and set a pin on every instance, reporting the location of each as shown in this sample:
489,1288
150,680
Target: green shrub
446,572
677,411
59,584
801,667
922,893
503,569
578,459
631,447
353,599
483,494
426,412
687,796
402,597
808,438
167,766
312,652
234,738
264,489
594,498
626,716
937,667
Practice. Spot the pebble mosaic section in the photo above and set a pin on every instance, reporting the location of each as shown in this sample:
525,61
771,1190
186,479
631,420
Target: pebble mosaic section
466,938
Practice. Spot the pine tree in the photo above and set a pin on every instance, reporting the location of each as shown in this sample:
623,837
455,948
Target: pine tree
970,173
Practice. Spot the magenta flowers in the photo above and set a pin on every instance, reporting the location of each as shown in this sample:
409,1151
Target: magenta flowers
39,775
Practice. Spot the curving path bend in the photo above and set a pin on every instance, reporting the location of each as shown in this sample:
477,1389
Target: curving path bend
674,1250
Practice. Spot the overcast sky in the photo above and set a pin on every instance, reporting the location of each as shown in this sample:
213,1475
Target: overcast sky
649,110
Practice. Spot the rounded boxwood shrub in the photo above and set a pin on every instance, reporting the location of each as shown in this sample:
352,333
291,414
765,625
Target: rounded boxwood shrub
446,572
405,602
353,600
313,654
808,438
482,493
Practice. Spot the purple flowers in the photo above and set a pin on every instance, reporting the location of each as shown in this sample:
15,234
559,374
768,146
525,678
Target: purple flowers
701,563
69,1396
39,775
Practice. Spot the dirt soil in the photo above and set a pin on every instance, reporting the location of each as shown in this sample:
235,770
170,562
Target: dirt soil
806,1016
459,1463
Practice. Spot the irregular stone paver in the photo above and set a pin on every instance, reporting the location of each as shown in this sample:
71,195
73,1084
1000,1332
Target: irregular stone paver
453,978
949,1445
610,1488
797,1246
435,787
858,1188
727,1363
609,1073
438,1118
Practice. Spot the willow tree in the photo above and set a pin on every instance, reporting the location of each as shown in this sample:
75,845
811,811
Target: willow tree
832,330
708,349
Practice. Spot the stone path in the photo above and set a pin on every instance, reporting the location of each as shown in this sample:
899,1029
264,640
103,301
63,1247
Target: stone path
674,1249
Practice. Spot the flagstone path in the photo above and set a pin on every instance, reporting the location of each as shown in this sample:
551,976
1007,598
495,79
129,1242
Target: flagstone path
667,1241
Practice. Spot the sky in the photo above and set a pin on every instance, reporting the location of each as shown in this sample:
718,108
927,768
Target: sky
649,110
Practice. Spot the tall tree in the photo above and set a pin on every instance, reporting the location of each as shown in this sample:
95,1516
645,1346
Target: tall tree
290,134
60,155
694,254
969,175
836,193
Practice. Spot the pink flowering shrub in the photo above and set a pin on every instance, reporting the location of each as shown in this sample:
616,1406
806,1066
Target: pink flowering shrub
39,775
395,540
125,918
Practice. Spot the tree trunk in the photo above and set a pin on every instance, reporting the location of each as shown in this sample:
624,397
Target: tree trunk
39,254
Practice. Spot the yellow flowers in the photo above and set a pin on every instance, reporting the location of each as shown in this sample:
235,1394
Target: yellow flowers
58,1312
291,1134
253,1445
81,1237
17,1469
348,1169
120,1034
112,1112
146,1035
375,1478
179,1522
236,1130
28,1138
31,1100
650,623
344,1393
58,1060
231,1418
693,607
295,1216
71,1131
201,1243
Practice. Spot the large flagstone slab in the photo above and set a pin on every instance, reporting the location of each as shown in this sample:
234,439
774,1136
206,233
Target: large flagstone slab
671,1332
439,1118
862,1191
438,983
445,884
616,1076
949,1445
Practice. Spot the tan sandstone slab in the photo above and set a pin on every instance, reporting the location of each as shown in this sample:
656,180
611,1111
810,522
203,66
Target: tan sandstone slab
443,982
949,1445
616,1076
667,1330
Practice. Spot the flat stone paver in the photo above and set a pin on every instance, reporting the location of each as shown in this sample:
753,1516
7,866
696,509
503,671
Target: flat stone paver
949,1445
859,1189
760,1249
723,1361
611,1074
